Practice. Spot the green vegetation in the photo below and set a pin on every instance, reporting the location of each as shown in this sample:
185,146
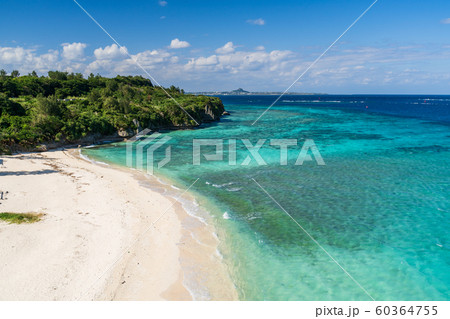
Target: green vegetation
19,218
65,108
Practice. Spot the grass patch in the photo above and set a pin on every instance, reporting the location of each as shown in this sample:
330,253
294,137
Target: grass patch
19,218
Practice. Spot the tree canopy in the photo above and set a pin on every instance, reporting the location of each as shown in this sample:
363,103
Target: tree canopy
65,107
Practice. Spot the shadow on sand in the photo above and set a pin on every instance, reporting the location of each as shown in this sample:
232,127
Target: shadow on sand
21,173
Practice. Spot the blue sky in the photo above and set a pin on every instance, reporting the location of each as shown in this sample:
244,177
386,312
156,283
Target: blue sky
400,46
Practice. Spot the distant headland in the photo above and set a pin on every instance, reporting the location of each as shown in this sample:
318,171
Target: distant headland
241,91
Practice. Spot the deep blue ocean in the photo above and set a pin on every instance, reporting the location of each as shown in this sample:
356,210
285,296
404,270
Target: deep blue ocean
380,206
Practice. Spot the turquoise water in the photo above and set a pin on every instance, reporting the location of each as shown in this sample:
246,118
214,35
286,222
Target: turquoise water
380,206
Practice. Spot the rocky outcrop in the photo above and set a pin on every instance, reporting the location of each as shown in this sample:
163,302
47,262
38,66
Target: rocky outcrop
213,111
209,115
138,125
125,133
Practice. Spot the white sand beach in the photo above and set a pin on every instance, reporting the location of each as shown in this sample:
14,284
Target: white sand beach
96,240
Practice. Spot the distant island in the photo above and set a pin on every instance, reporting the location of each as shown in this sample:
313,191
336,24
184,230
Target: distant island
37,113
241,91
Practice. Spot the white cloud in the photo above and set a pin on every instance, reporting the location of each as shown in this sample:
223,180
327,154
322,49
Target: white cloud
152,57
235,62
260,48
177,44
445,21
110,52
46,61
259,21
149,60
386,68
73,51
26,60
13,55
202,61
162,3
227,48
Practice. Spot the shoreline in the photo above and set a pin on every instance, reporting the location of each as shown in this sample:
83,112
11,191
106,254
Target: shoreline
199,237
190,205
75,252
